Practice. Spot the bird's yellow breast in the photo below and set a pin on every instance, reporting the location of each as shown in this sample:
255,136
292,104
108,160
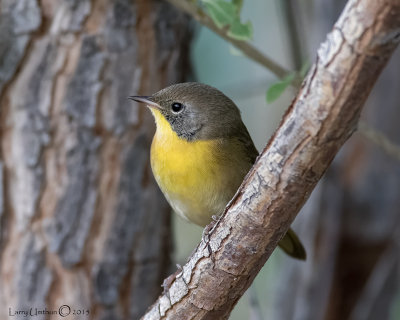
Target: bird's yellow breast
193,175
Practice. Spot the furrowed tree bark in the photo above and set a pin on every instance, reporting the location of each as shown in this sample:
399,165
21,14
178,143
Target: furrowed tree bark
322,117
82,222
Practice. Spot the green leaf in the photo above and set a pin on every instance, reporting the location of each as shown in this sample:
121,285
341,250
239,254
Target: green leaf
238,4
240,31
225,13
276,89
221,12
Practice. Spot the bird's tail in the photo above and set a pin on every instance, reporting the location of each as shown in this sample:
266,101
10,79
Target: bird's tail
291,244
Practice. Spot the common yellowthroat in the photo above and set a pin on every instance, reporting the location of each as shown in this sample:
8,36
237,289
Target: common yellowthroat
201,152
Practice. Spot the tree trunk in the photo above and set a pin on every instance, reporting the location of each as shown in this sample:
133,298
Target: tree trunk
84,228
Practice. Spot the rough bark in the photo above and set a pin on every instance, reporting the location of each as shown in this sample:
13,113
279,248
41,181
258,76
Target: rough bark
82,222
320,120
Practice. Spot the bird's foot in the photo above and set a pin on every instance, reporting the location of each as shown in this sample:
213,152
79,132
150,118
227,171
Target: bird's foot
167,283
209,228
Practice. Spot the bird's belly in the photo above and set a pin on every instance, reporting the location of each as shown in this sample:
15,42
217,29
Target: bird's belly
197,212
192,179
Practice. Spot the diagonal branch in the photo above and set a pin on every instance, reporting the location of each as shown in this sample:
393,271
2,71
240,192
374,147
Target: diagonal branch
322,117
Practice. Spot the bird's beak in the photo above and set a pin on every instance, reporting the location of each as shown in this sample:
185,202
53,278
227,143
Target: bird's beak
145,99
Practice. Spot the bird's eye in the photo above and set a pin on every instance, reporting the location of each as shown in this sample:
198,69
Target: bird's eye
177,107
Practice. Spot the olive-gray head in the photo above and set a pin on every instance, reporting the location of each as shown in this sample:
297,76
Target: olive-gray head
196,111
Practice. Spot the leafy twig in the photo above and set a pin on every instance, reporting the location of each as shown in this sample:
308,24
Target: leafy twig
248,49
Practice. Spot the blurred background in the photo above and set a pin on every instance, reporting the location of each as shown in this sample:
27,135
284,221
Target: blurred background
82,221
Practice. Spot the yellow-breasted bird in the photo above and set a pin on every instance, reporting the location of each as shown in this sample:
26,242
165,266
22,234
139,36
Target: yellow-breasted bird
201,152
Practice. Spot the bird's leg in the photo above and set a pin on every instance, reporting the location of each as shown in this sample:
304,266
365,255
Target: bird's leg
206,232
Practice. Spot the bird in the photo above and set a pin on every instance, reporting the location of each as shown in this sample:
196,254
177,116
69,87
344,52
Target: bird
201,152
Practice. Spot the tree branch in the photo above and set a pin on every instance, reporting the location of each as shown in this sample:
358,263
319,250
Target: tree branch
322,117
